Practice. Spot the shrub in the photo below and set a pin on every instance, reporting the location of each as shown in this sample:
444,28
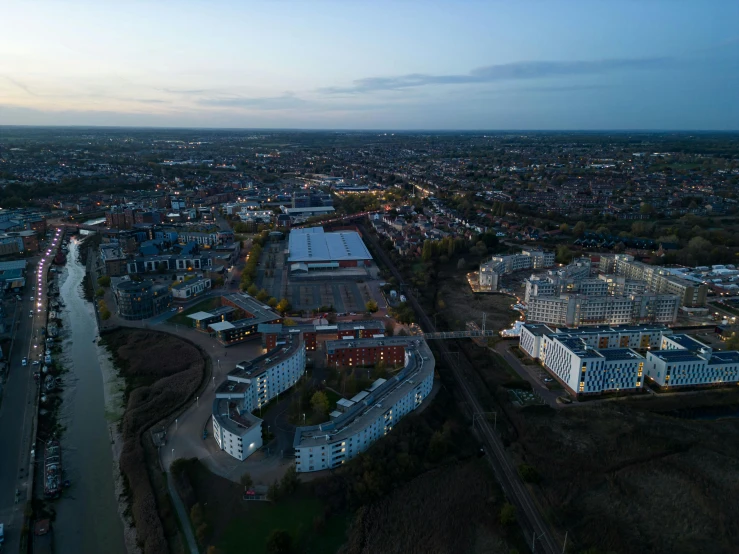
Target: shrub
197,515
202,533
528,473
279,542
507,514
174,370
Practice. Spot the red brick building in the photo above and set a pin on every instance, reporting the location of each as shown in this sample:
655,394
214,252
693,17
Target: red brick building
361,352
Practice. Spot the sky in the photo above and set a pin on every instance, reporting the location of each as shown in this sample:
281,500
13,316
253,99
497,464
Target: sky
372,64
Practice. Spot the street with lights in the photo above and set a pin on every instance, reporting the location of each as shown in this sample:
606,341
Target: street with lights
20,396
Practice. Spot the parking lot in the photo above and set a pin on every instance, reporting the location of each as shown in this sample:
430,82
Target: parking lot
344,297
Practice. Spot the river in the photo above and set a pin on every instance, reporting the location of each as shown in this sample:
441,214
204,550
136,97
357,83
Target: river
87,518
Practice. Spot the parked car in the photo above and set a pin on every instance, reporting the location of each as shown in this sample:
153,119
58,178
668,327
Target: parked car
24,361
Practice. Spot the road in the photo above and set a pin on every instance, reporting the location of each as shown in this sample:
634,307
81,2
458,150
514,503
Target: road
19,405
530,519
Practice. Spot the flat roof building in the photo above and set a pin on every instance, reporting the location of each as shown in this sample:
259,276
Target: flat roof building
686,362
313,248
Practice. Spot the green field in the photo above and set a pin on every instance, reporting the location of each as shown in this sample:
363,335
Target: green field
181,318
295,515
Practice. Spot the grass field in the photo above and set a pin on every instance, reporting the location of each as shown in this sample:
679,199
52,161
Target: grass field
294,515
461,305
243,526
181,318
616,474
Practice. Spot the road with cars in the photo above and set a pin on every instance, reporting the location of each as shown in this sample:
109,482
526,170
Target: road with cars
19,398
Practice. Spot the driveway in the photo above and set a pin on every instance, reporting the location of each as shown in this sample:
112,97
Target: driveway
530,373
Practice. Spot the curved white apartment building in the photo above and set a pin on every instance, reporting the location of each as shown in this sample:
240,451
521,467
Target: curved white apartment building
371,414
248,387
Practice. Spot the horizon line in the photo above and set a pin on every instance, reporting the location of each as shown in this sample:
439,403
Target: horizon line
366,130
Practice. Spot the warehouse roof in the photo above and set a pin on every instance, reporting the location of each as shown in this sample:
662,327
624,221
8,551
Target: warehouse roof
313,244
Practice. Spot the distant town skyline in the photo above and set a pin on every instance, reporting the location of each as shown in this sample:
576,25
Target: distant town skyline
412,65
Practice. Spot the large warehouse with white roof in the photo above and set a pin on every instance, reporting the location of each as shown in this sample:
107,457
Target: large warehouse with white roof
314,249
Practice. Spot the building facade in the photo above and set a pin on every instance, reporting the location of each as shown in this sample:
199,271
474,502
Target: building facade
583,370
250,386
491,271
573,310
141,300
191,288
686,362
659,280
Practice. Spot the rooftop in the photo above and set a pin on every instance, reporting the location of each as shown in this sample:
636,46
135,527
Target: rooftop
332,345
230,418
14,264
313,244
253,368
687,342
726,357
615,354
677,356
538,329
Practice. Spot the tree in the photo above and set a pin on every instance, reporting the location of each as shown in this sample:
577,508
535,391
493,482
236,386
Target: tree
646,208
699,244
273,492
564,228
528,473
579,229
287,322
438,446
252,290
319,402
272,302
197,514
507,514
733,342
262,295
289,481
104,281
380,370
100,292
564,254
246,480
461,264
279,542
371,306
283,305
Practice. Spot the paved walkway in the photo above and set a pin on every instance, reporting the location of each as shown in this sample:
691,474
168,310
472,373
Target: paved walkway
183,515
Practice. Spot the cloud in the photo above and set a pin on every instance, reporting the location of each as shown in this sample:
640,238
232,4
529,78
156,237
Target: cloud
516,71
286,101
184,91
21,86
